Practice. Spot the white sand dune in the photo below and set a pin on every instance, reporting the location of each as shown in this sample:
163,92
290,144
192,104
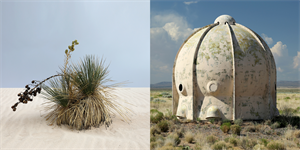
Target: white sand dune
27,129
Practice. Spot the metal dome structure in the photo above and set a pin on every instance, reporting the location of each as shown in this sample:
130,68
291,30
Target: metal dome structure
224,70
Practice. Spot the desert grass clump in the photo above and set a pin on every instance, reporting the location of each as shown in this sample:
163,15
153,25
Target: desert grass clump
80,97
268,122
232,140
275,125
225,127
220,145
250,128
163,125
292,134
264,141
180,132
173,138
189,137
238,122
235,129
259,147
211,139
156,116
247,143
276,145
155,130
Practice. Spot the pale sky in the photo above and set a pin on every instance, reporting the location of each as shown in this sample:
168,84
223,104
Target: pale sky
277,22
36,34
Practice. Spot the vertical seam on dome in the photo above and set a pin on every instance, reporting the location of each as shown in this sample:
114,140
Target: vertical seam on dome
173,79
261,42
195,57
233,72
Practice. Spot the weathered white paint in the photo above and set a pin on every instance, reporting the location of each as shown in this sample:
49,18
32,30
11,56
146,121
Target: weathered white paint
227,70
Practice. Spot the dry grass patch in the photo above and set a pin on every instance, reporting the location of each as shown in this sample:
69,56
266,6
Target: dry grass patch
211,139
189,137
276,145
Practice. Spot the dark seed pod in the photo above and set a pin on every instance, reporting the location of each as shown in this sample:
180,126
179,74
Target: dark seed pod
32,81
13,106
19,94
14,109
20,99
30,93
26,86
25,101
30,100
34,94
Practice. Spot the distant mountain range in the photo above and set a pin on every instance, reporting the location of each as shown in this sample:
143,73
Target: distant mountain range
281,84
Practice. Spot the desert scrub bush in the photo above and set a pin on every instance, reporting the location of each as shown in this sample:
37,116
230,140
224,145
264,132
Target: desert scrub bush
157,100
212,120
232,140
276,145
166,95
189,137
175,138
247,143
225,127
163,125
198,146
211,139
235,129
238,122
168,148
158,141
264,141
200,138
259,147
156,116
151,98
292,134
172,126
180,132
275,125
220,145
169,116
268,122
155,130
226,121
250,128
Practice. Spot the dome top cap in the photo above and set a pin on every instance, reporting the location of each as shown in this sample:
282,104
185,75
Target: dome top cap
225,18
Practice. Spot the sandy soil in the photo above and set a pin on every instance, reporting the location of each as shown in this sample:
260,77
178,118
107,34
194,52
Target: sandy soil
27,129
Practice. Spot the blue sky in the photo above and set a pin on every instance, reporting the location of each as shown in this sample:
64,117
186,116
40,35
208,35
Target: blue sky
277,22
36,34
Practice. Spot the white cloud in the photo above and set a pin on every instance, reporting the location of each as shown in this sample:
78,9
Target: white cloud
297,61
167,33
279,69
176,26
190,2
267,39
279,49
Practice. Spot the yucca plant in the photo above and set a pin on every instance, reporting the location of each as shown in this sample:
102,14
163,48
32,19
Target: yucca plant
81,100
80,97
